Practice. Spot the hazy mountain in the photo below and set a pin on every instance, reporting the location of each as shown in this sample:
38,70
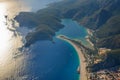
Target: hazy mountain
38,4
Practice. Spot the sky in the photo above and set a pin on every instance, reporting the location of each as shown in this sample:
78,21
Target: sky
33,4
16,6
38,4
3,0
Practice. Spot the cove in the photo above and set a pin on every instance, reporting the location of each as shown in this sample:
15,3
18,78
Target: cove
55,61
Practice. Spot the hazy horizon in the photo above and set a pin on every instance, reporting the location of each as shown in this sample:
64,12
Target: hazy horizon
35,5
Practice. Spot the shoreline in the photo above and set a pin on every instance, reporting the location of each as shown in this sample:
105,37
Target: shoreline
83,65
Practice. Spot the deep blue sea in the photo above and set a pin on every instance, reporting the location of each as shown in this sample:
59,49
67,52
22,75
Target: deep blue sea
55,61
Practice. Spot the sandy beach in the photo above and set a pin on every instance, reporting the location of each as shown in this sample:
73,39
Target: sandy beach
83,71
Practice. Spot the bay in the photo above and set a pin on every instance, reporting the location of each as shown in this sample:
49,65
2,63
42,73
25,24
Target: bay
55,61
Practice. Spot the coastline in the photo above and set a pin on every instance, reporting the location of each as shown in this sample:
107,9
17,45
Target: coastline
83,71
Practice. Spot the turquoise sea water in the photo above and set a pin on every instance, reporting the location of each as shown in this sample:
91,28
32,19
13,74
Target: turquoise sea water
58,61
74,30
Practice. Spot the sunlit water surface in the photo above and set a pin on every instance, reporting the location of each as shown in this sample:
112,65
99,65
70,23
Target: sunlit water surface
9,43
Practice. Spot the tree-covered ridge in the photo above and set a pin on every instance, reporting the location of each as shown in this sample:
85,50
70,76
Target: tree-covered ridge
45,23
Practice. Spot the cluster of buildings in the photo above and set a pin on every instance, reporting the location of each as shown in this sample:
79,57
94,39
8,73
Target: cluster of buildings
105,75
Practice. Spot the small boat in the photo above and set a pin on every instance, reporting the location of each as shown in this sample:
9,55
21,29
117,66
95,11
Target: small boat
78,70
